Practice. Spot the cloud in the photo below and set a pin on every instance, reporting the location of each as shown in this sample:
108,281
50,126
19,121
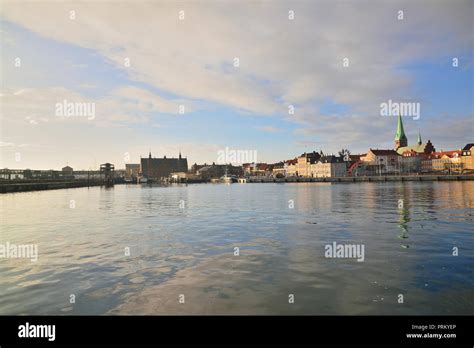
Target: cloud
190,62
281,61
141,100
124,105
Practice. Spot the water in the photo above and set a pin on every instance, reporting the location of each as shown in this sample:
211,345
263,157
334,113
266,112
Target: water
190,251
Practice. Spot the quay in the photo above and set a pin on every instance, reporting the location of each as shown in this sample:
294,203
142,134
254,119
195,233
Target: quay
363,179
9,186
23,180
47,185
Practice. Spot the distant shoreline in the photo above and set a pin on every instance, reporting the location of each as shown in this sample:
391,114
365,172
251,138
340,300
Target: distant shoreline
42,186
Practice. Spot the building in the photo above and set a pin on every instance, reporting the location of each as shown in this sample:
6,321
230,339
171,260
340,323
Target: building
159,168
303,164
67,170
108,170
443,162
291,169
132,171
328,167
410,161
257,169
467,157
279,170
247,168
400,137
381,161
401,142
183,177
216,171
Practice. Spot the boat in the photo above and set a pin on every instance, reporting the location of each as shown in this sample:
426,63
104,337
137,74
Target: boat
228,179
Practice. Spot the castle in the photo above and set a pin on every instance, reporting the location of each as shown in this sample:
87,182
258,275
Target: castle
158,168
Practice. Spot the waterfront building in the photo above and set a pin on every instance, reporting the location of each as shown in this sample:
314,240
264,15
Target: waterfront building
328,167
132,171
179,177
257,169
279,169
216,171
247,168
291,169
261,169
303,164
383,161
467,157
410,161
210,172
159,168
67,170
445,162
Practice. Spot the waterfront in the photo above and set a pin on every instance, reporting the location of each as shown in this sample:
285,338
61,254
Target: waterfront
182,239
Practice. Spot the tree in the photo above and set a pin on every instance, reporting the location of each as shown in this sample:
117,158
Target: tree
345,154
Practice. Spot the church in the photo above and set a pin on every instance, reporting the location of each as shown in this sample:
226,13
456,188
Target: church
401,143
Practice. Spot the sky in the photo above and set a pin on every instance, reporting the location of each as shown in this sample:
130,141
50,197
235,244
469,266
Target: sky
137,62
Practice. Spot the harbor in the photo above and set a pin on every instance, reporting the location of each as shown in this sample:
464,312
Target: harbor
50,180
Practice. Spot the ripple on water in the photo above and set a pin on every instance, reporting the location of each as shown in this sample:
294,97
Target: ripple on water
281,250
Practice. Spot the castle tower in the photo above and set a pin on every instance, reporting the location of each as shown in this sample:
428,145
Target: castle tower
149,166
400,137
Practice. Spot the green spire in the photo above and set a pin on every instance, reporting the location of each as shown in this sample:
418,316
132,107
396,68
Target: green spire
400,135
419,139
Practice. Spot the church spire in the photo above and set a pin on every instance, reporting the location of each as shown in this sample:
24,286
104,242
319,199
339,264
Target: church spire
419,139
400,137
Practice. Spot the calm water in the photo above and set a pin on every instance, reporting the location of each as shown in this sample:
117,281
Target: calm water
190,250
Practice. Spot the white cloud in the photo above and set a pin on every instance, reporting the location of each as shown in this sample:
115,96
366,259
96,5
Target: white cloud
124,105
281,61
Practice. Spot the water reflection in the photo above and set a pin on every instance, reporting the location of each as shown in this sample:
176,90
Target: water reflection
176,249
404,212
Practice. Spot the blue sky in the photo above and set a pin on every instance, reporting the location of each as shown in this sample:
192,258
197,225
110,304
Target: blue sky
190,63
